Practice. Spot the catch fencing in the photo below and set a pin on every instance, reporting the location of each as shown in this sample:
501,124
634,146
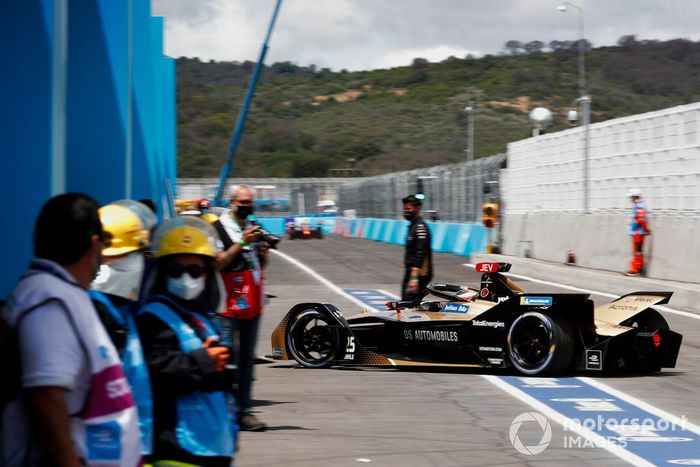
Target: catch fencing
285,195
454,192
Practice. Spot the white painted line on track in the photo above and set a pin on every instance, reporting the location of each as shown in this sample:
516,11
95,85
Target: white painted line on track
642,405
687,314
318,277
566,421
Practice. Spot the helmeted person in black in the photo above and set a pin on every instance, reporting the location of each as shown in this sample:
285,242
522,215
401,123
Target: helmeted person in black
418,262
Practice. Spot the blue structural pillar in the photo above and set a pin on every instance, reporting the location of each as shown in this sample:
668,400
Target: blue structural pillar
97,103
32,42
144,179
87,103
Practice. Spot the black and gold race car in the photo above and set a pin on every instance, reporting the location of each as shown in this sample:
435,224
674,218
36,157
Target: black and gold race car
497,326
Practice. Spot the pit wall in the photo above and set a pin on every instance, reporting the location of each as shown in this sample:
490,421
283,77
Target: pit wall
601,241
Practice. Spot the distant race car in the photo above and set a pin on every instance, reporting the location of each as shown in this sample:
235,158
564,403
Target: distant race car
301,228
497,326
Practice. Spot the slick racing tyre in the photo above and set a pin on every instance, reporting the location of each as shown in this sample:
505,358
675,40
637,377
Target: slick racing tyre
313,339
646,320
539,344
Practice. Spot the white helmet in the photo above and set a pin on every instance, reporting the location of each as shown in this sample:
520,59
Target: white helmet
634,192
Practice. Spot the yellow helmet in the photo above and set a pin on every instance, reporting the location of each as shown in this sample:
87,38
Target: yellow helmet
147,216
186,235
123,229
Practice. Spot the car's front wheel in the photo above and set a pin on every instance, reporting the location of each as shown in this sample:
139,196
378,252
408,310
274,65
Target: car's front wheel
539,344
313,339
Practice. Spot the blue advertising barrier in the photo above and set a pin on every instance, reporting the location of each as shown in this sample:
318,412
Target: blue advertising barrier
447,237
276,225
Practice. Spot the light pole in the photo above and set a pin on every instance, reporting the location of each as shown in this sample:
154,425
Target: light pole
469,109
584,99
581,50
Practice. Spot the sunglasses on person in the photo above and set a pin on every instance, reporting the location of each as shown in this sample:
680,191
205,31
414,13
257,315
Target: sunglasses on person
194,270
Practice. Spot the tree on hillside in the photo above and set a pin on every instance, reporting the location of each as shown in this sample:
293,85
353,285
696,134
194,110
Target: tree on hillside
533,47
627,42
310,165
559,45
514,47
420,63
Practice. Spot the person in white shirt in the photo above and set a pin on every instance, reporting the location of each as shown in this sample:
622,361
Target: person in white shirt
75,407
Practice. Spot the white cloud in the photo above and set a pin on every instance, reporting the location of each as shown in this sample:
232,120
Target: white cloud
367,34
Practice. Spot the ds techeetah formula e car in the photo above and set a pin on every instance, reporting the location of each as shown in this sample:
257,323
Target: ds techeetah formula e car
497,326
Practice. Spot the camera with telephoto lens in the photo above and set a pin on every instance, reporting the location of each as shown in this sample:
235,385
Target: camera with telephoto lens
271,239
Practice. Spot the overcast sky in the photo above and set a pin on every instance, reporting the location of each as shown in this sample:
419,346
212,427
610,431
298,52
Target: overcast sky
370,34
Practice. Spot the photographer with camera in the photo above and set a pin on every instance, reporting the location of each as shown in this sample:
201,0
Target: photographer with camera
241,263
193,410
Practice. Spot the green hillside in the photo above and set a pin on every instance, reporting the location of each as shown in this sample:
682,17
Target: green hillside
305,121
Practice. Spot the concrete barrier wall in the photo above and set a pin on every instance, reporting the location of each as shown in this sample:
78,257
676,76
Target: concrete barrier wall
600,241
457,238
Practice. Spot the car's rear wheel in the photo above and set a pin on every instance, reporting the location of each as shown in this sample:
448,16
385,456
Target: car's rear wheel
540,344
313,339
646,320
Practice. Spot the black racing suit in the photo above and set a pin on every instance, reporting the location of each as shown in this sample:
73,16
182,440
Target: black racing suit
418,255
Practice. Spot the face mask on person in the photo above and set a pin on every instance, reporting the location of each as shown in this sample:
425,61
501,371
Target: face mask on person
186,287
121,277
409,216
242,212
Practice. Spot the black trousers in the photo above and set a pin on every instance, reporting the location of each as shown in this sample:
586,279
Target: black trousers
423,282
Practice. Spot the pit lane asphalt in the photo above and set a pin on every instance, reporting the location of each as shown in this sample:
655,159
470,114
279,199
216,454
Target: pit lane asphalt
345,417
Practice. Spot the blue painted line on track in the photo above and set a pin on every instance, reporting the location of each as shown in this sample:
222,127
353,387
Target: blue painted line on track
371,297
619,422
654,438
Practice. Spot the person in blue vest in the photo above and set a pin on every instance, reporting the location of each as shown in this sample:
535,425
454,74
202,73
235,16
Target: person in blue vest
192,381
115,292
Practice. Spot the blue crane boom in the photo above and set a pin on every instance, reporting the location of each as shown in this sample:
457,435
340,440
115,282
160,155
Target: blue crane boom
243,114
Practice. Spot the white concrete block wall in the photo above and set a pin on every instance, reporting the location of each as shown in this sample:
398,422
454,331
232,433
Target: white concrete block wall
658,152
